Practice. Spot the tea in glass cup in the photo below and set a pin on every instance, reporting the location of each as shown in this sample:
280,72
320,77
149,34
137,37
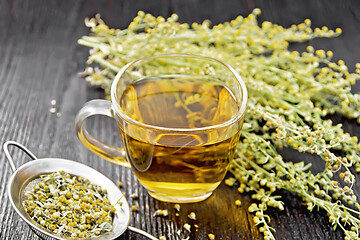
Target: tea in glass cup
179,118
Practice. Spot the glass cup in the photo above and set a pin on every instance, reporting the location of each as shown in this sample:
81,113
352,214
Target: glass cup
179,118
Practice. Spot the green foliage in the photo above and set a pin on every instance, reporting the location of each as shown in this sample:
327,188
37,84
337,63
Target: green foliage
290,93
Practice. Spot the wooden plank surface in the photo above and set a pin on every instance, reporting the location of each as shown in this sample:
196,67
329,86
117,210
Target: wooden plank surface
40,60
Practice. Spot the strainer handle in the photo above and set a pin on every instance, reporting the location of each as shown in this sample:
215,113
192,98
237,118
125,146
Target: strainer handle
8,155
141,232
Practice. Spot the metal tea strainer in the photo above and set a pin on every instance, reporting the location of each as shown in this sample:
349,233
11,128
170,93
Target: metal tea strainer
27,174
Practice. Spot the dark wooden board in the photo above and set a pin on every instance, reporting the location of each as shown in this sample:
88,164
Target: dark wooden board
40,59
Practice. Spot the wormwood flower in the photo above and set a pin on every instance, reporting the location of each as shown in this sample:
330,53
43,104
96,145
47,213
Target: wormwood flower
177,207
211,236
187,227
290,92
161,212
192,216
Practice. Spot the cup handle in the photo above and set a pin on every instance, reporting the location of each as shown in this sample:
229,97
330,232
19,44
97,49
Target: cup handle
108,152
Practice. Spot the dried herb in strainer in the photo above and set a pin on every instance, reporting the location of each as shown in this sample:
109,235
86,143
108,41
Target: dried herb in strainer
69,206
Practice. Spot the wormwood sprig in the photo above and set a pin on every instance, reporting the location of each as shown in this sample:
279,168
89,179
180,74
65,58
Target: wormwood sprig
290,92
69,206
315,191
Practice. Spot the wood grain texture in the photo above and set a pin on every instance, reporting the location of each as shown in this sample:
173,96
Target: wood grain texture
40,60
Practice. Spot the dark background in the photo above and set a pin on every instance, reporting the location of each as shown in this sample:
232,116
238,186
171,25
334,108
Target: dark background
40,59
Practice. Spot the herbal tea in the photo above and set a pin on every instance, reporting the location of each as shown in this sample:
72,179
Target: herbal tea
180,118
179,164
